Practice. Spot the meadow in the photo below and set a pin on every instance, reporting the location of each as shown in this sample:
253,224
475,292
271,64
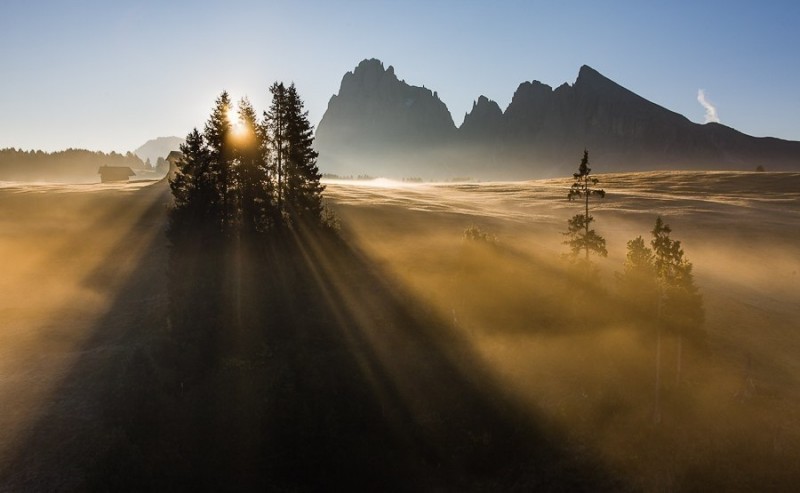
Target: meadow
401,355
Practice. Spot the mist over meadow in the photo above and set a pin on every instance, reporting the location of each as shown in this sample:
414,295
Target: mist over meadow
441,342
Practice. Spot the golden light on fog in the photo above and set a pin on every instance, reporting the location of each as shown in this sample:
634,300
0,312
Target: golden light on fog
67,269
595,380
428,324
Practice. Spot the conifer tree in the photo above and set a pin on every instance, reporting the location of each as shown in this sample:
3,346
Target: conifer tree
681,306
253,190
302,177
677,303
638,283
193,187
274,125
580,237
220,153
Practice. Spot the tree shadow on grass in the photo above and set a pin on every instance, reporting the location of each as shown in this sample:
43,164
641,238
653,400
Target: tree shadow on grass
63,436
289,364
335,377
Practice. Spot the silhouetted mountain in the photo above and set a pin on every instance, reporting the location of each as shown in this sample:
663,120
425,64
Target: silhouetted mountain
378,119
542,132
485,121
158,148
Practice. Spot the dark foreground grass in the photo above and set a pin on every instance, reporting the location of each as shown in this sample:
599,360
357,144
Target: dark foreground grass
296,367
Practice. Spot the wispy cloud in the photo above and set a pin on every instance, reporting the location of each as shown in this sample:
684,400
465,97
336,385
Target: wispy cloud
711,110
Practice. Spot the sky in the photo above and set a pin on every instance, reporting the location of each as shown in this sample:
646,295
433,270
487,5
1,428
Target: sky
111,75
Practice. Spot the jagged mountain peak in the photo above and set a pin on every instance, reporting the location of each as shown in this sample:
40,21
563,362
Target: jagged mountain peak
375,113
590,80
485,104
369,76
484,116
369,64
588,73
372,67
378,123
531,89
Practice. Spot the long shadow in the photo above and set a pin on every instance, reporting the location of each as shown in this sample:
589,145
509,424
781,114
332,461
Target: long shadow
291,364
348,382
72,428
448,424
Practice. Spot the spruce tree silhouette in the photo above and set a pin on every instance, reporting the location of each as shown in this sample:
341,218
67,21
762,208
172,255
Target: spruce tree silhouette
580,237
681,304
303,187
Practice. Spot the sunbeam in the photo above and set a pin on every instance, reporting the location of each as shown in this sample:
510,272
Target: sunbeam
511,301
66,300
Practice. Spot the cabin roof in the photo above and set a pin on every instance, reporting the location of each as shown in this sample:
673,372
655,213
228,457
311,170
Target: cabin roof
116,170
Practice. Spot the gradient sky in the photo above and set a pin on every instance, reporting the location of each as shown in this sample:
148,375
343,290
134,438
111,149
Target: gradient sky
111,75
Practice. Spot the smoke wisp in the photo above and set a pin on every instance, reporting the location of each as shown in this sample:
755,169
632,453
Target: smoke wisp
711,110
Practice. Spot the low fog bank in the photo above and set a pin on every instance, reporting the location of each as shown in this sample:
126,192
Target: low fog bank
579,353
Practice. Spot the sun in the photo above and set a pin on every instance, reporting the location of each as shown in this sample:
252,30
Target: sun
238,129
233,119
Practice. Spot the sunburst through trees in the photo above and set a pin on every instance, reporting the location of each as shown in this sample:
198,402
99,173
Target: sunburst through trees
249,177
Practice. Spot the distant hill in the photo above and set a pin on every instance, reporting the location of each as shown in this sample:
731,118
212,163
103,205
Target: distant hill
69,166
380,125
158,148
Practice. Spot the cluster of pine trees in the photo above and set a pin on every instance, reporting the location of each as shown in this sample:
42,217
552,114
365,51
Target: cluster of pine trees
242,176
657,282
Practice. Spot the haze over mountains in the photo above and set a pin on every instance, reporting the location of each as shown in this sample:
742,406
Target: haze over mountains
382,126
156,148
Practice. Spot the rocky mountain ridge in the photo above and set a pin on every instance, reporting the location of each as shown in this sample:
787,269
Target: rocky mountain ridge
380,125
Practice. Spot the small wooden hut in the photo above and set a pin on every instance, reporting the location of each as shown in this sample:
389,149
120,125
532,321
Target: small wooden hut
115,173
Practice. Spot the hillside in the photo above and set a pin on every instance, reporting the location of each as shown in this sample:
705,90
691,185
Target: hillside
402,357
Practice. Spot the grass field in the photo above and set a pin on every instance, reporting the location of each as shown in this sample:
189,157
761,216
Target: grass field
425,361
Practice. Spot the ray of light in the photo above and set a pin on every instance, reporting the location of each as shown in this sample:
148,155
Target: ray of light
67,261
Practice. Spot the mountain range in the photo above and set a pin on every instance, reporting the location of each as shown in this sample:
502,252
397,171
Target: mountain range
156,148
382,126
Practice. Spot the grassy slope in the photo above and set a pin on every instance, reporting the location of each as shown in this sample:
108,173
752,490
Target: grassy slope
421,362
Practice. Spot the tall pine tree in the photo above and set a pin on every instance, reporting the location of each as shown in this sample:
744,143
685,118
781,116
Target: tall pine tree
303,188
274,127
580,238
254,189
638,284
220,153
193,188
681,307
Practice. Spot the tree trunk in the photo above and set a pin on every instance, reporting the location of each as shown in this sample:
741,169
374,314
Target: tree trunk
279,139
586,222
680,359
657,407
